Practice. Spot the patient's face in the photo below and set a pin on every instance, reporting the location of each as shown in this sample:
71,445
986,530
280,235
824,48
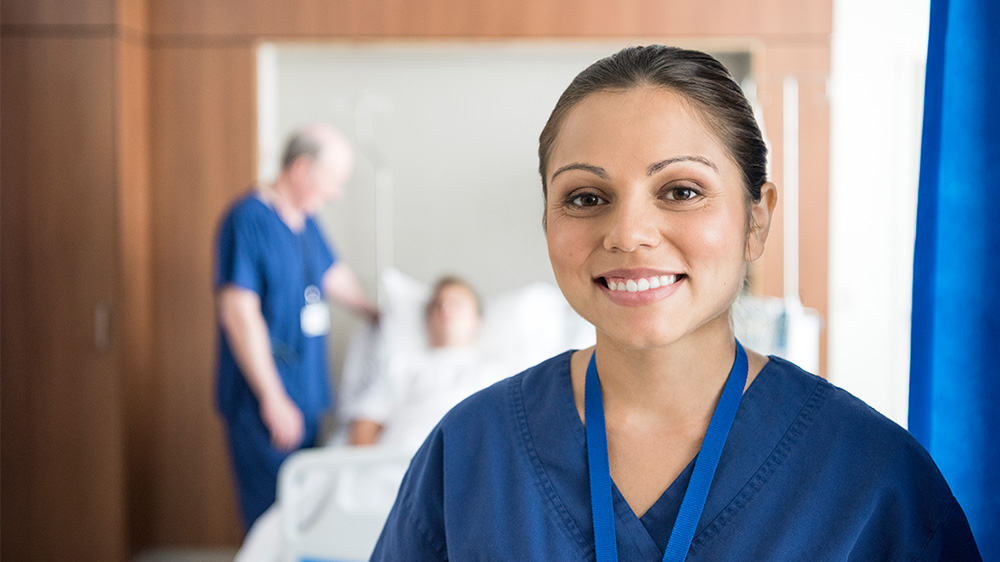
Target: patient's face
453,318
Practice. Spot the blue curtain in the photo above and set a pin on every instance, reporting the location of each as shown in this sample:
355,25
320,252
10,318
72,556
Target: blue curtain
955,353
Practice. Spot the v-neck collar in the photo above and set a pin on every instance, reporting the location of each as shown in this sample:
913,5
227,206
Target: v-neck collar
264,199
558,440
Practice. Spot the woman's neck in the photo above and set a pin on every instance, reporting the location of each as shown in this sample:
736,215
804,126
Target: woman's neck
679,384
666,396
670,386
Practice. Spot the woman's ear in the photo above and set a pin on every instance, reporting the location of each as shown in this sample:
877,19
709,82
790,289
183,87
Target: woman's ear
760,221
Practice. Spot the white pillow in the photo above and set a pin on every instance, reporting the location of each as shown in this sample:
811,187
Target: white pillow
404,300
528,325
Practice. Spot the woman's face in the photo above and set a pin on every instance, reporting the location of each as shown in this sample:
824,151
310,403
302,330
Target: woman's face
646,217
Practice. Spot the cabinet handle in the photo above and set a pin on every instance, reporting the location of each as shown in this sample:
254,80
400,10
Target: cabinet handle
101,326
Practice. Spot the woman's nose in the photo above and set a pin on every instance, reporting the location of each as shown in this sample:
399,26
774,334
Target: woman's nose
633,226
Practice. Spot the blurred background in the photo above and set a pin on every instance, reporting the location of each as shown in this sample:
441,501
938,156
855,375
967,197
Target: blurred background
128,126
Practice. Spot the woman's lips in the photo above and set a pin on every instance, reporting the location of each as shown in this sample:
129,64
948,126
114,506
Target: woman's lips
639,290
639,284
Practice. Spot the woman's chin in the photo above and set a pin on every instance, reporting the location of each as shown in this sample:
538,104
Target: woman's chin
643,334
640,339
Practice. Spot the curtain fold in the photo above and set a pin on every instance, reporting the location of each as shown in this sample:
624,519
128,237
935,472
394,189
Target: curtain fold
955,341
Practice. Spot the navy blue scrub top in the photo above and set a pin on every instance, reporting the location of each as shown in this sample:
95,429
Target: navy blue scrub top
808,472
257,251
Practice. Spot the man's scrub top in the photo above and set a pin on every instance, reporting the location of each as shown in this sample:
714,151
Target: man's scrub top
808,473
259,252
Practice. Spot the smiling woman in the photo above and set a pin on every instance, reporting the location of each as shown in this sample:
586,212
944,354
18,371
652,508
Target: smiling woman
657,197
666,440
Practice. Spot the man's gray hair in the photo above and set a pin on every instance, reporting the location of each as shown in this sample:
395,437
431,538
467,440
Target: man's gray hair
303,142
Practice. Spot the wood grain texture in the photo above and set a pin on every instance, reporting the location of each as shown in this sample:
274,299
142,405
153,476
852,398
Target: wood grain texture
135,248
204,141
62,455
460,18
133,14
57,12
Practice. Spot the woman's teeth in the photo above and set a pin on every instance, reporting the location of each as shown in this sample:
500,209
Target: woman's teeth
642,284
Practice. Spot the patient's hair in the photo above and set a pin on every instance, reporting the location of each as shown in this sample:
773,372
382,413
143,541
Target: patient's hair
447,281
698,77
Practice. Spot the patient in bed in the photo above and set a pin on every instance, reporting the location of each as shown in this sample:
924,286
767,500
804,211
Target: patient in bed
418,388
408,391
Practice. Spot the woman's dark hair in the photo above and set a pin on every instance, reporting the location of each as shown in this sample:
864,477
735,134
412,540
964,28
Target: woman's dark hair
696,76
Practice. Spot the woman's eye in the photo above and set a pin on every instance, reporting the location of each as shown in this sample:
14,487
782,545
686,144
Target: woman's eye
682,193
585,200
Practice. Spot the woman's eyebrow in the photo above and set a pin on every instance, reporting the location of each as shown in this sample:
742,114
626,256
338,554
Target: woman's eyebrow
596,170
653,168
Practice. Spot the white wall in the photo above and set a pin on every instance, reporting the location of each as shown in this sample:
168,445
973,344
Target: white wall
876,89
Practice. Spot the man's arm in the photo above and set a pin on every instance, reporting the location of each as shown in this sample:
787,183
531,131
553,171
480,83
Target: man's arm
342,286
246,332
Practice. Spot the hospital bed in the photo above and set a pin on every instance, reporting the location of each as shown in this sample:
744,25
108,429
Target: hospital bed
335,501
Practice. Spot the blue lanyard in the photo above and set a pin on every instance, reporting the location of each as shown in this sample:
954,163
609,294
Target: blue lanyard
705,464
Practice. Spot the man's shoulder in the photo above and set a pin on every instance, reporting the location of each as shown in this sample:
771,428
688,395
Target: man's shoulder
248,206
248,219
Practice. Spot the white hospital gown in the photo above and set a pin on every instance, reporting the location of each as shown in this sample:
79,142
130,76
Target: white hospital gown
419,389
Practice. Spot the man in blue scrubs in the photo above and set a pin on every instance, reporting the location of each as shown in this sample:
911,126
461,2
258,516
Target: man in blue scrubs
274,271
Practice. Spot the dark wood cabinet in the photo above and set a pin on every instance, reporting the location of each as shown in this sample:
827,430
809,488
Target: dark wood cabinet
63,469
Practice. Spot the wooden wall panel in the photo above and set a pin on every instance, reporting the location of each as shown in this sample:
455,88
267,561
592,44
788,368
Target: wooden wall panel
433,18
57,12
62,454
133,14
134,242
15,397
203,155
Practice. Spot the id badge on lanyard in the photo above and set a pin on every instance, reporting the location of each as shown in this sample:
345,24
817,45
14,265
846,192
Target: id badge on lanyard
315,317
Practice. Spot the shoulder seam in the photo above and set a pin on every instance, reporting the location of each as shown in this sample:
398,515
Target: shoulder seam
780,452
541,478
937,528
423,531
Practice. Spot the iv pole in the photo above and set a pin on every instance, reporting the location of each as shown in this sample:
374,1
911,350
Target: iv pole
365,109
